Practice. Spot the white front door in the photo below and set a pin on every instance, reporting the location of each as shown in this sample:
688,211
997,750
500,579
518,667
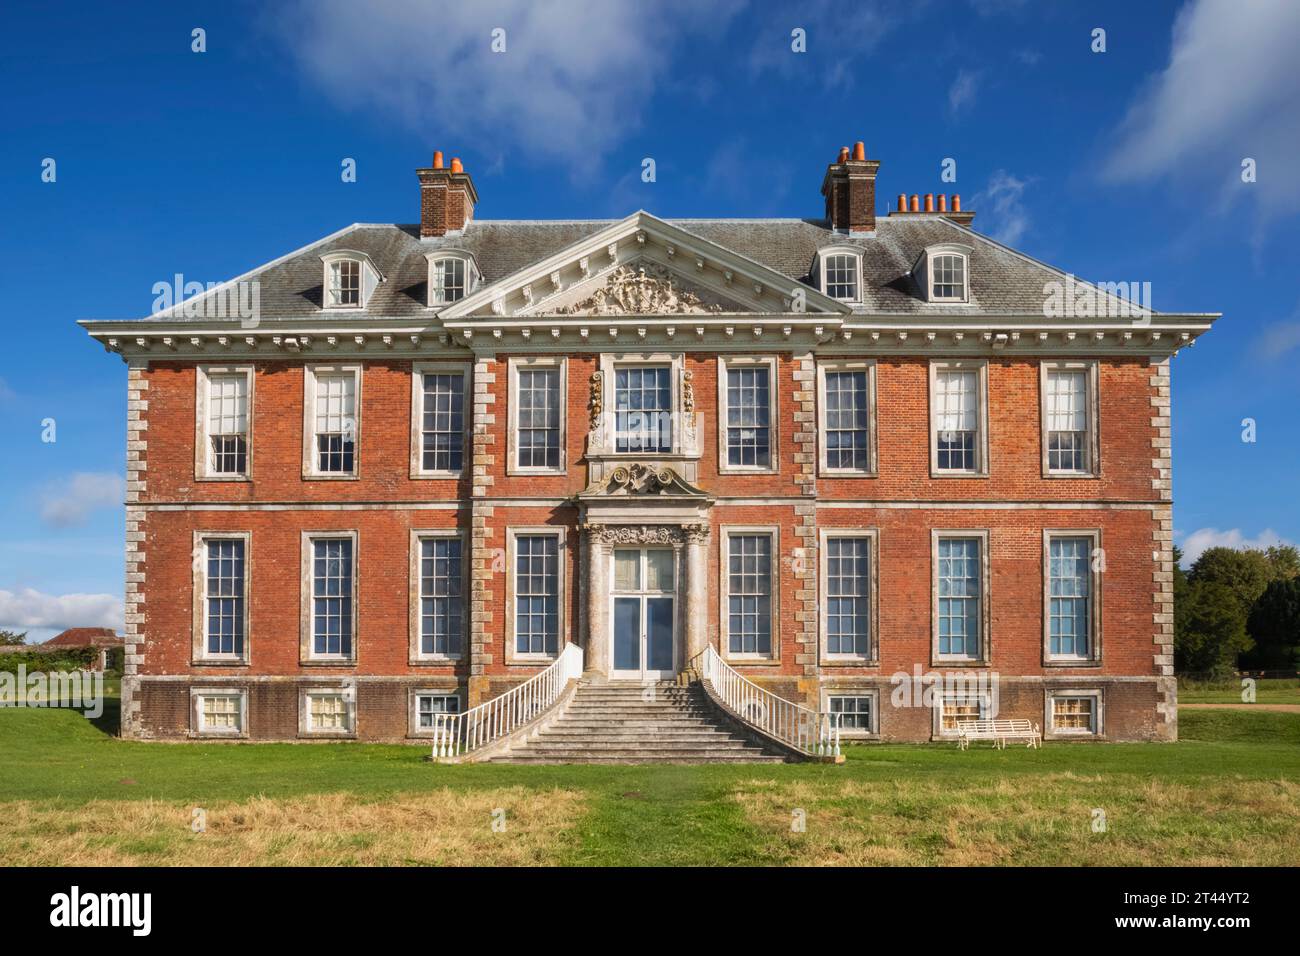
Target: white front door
643,614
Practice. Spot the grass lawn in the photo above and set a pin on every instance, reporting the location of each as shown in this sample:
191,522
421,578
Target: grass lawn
1272,691
1228,793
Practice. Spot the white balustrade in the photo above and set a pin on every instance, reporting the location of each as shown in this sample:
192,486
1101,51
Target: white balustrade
815,733
458,734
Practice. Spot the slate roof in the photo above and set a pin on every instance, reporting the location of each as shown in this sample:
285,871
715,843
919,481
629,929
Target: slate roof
1001,280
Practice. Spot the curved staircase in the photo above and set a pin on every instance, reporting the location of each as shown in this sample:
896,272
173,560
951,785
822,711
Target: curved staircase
617,723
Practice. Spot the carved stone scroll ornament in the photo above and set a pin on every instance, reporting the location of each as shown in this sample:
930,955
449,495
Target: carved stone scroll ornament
596,405
616,534
646,290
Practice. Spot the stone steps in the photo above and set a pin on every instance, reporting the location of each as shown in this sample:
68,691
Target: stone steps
616,724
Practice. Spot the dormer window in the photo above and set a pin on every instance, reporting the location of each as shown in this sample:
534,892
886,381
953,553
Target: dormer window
841,274
451,278
350,280
943,273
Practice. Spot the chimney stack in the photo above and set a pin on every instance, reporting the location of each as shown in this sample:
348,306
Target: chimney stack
907,206
447,198
850,190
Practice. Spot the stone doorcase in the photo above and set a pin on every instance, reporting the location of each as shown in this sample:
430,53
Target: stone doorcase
689,540
641,505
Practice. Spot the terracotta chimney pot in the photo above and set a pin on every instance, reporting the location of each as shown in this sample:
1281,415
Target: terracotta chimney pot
902,203
956,203
437,159
916,203
929,202
456,166
943,202
859,151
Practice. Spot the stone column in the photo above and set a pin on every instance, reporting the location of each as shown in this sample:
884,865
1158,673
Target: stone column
596,651
697,589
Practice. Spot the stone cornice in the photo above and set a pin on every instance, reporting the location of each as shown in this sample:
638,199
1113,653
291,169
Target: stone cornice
987,335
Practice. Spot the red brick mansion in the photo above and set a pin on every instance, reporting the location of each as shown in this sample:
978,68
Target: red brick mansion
396,473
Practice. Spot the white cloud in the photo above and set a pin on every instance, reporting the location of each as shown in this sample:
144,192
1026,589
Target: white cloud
1196,543
1002,204
963,90
568,87
836,35
1228,93
71,502
28,608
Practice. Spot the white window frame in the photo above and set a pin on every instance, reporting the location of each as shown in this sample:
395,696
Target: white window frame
368,279
307,640
413,708
349,695
981,368
1095,576
562,619
199,629
202,439
310,471
846,365
855,733
724,593
725,363
985,703
472,276
418,537
872,657
610,362
1050,730
923,272
1092,443
950,660
839,250
200,694
418,371
514,366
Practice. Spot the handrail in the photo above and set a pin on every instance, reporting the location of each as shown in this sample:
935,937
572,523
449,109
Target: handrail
458,734
813,732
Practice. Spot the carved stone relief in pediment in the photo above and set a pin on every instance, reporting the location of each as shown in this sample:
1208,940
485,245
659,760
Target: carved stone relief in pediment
648,289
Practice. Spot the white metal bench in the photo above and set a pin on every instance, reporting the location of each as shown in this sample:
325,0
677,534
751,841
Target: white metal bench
998,731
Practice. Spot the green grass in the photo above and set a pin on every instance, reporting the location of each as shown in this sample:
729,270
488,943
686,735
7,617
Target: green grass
1229,791
1271,691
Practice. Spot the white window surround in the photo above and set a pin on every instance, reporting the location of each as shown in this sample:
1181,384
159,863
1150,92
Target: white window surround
1093,657
847,365
872,693
513,366
724,593
418,371
471,271
979,697
951,660
1052,732
307,631
981,368
199,627
369,278
828,252
773,413
1092,405
198,725
349,695
610,362
413,706
562,622
923,272
310,462
202,444
872,657
416,655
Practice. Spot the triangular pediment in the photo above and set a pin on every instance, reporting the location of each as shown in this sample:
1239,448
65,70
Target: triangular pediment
643,266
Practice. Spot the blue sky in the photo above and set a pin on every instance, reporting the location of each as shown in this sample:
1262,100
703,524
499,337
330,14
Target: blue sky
1116,165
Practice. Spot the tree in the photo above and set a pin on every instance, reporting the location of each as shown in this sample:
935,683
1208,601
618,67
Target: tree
1274,624
1284,560
1246,572
1214,630
11,638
